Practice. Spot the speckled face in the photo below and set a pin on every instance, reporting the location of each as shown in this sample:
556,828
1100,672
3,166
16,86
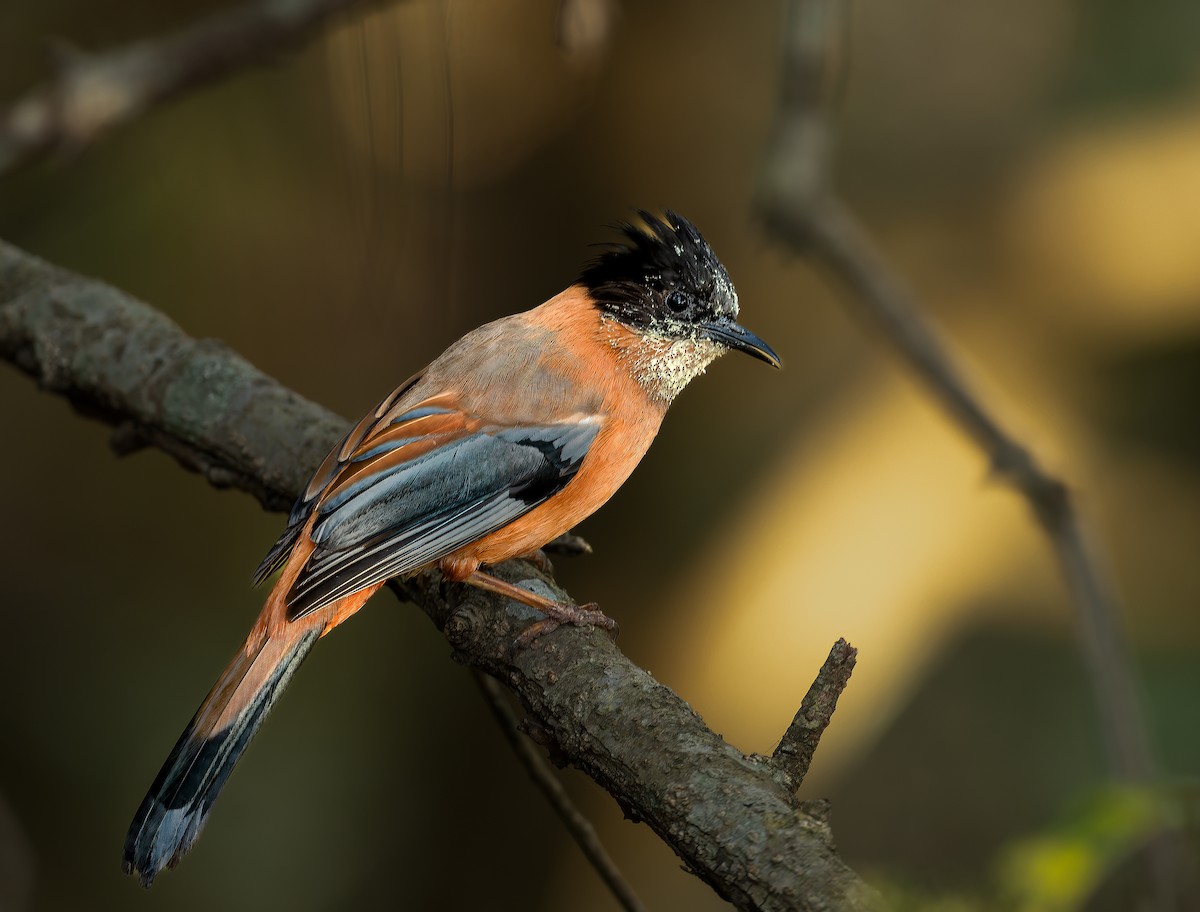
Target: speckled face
667,285
664,280
664,366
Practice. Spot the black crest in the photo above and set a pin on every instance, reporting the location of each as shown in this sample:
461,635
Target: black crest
664,276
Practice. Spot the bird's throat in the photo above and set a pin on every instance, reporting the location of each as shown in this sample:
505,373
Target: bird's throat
661,365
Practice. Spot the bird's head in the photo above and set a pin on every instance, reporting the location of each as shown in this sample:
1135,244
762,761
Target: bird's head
665,284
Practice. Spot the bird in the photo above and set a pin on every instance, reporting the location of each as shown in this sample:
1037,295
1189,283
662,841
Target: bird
511,437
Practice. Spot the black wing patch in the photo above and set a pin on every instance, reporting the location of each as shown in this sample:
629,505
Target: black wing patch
397,520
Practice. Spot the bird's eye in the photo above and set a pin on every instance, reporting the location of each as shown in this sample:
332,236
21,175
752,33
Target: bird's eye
678,301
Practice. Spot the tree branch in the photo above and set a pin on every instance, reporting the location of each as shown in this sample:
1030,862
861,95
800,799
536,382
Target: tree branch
120,361
726,816
92,94
792,757
543,777
796,199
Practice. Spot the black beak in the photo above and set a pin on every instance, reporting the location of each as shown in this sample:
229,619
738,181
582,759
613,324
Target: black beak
732,334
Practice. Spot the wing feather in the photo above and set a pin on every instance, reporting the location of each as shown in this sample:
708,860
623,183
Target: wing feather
399,554
413,482
410,513
321,478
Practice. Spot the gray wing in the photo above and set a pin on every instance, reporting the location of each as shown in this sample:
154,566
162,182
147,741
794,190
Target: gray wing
396,520
327,472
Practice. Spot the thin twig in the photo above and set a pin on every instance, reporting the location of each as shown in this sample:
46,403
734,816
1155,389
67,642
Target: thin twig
93,93
569,545
797,201
791,759
543,777
800,207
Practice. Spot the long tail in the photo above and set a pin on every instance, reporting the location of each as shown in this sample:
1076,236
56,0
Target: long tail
174,810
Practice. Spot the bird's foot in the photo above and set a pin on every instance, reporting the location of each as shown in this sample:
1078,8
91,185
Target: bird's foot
576,615
557,613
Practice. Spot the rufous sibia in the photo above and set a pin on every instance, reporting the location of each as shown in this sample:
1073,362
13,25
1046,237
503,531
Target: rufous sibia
517,432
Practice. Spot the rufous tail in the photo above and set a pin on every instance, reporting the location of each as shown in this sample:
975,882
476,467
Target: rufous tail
174,810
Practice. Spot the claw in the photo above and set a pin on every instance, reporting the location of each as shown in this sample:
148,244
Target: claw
561,613
557,613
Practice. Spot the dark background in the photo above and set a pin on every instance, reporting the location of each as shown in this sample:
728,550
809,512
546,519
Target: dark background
338,216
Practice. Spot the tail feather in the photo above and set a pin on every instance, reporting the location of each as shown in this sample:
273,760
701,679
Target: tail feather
174,810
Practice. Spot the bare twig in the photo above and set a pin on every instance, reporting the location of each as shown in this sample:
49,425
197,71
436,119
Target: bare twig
800,207
543,777
791,758
568,544
92,94
730,820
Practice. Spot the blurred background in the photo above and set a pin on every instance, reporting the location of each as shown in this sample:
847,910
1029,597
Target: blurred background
1031,167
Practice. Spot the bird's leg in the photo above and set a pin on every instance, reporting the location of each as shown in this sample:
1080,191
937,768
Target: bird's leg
557,613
